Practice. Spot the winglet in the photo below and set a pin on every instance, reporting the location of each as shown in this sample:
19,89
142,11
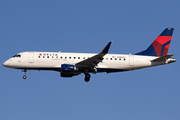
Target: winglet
106,49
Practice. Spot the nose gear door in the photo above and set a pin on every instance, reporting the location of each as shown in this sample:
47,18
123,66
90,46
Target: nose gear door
31,57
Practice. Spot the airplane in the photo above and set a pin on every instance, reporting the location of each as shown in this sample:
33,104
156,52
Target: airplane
72,64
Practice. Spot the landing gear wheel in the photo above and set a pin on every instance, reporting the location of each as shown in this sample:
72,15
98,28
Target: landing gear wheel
25,72
24,77
87,77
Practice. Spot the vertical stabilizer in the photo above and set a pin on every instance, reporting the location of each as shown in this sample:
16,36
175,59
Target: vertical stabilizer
160,46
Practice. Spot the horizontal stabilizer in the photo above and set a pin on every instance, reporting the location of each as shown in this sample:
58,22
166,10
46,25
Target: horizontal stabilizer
163,58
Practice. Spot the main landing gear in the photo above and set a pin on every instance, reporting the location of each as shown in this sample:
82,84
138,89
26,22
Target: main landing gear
87,77
25,72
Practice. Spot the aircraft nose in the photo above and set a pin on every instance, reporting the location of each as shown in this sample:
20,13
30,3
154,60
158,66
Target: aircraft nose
6,63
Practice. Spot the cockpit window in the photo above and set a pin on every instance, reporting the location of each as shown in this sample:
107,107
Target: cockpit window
17,56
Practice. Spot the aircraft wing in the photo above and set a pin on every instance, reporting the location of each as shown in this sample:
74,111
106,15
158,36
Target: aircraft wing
90,63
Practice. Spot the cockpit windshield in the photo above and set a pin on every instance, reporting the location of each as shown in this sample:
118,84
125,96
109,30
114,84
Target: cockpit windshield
16,55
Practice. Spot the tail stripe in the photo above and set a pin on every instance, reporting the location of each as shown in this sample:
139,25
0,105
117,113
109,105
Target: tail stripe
166,49
163,51
159,45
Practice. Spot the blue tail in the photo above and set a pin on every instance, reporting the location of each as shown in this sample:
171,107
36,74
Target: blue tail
160,46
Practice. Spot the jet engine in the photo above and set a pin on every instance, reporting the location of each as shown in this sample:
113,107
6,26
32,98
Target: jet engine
68,70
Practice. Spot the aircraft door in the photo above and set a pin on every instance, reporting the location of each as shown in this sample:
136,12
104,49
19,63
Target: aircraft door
131,60
31,57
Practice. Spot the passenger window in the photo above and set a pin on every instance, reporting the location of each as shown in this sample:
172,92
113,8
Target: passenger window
83,57
106,58
47,56
39,56
78,57
110,58
74,57
56,56
115,58
69,57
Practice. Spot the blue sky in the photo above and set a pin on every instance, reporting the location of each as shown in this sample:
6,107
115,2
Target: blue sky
87,26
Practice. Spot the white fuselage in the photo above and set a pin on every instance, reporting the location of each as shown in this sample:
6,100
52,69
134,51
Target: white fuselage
54,60
71,64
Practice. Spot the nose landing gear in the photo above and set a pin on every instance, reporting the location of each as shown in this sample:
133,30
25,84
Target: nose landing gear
25,72
24,77
87,77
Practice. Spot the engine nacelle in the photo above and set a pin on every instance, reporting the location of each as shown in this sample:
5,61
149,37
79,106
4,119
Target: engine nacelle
67,70
66,74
